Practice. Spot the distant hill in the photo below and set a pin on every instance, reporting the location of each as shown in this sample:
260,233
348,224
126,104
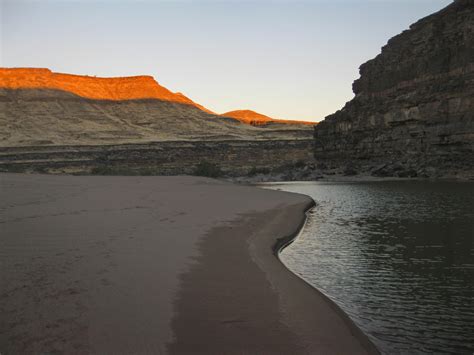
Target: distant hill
257,119
91,87
39,107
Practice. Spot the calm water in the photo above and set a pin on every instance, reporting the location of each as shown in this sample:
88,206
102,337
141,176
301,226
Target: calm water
398,257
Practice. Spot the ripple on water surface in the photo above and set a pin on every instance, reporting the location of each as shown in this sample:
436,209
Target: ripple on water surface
398,257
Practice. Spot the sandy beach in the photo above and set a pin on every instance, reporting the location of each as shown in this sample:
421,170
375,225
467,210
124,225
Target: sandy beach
176,265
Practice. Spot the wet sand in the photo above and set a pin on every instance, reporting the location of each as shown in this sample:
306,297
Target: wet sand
156,265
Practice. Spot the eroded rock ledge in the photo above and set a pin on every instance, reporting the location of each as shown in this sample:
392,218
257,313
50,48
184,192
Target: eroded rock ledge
413,113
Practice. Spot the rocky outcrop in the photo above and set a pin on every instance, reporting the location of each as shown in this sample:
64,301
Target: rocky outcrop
413,111
257,119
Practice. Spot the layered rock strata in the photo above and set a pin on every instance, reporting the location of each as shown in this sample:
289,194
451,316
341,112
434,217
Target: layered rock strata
223,158
413,111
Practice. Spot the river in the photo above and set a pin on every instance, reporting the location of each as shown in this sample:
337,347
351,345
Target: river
397,257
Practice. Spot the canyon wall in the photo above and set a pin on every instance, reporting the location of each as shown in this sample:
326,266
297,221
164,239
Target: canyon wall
413,111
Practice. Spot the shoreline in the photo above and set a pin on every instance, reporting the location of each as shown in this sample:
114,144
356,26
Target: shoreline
283,242
257,180
85,269
279,247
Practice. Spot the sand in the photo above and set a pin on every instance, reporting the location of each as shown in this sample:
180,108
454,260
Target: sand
156,265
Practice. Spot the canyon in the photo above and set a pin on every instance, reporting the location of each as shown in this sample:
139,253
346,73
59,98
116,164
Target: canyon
413,110
412,116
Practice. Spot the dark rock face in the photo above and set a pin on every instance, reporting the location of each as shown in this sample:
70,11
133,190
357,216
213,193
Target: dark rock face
413,113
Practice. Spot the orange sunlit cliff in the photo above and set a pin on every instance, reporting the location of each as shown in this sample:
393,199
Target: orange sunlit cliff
257,119
91,87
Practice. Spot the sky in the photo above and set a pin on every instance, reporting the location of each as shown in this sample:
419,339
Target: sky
286,59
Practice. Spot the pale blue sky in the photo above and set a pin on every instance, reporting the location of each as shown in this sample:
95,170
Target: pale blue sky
286,59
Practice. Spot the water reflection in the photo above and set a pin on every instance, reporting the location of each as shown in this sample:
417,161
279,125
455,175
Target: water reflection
398,257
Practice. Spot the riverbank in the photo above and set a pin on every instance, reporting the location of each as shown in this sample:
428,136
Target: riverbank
156,264
308,175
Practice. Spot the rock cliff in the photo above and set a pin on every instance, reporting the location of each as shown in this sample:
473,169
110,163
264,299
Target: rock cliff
413,110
